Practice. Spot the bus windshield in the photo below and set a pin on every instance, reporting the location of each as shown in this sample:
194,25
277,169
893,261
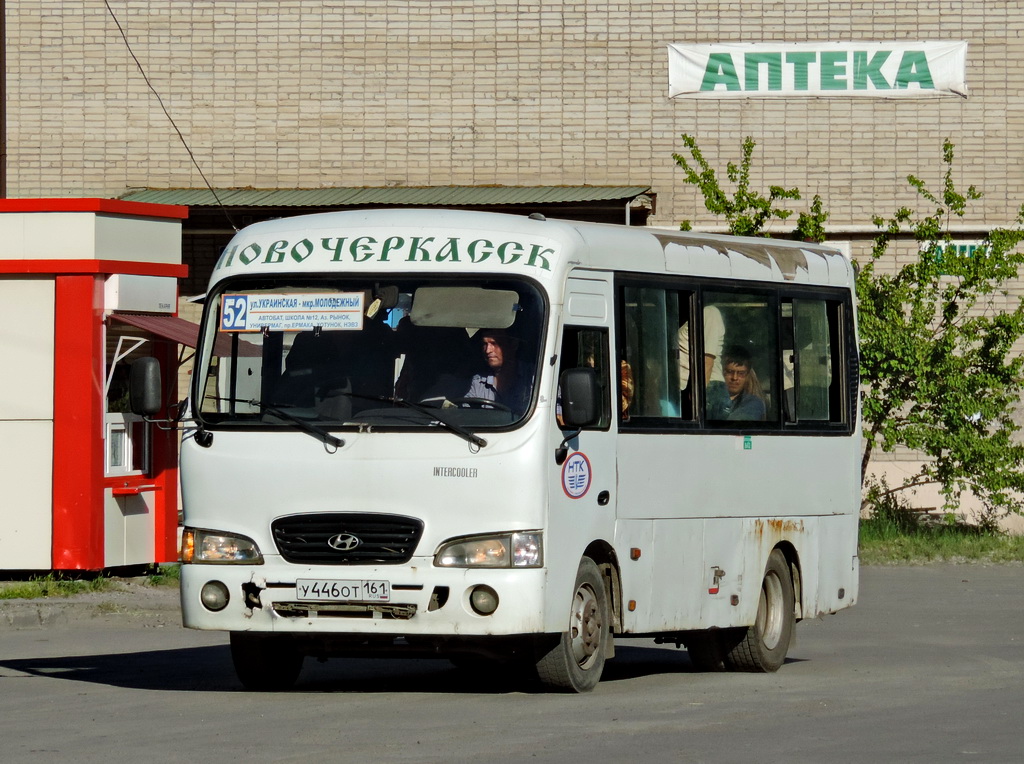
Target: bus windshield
325,353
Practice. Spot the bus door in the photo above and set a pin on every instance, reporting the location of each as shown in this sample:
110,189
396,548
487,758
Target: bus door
583,497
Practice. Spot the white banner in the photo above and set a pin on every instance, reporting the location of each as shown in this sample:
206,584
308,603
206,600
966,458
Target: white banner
825,69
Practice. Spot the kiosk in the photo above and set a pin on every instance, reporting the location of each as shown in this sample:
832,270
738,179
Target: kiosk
86,286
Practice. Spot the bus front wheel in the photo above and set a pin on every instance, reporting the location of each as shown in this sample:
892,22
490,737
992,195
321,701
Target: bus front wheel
764,647
265,662
575,662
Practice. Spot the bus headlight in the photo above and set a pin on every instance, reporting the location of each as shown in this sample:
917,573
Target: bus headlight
511,550
216,547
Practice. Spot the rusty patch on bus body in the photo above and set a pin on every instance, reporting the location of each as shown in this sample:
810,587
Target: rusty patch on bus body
777,527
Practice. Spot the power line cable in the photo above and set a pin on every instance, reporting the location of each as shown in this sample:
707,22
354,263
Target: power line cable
168,115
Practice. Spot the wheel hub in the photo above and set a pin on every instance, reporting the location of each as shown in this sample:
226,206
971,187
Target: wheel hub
585,626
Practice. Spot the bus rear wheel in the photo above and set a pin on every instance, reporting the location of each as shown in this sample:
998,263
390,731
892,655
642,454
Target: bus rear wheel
576,661
766,642
265,662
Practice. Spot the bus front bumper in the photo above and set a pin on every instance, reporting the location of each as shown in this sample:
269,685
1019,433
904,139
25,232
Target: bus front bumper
421,600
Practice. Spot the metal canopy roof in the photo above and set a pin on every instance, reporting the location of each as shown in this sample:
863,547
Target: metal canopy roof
427,196
169,327
182,332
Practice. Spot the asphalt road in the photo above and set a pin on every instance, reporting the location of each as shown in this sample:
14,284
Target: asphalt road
928,667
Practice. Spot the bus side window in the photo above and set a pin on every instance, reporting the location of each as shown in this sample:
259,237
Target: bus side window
710,350
582,347
653,321
810,329
746,326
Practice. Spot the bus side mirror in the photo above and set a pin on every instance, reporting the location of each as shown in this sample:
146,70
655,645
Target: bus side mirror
145,395
581,397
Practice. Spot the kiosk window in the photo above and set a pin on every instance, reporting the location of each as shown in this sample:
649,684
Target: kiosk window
127,436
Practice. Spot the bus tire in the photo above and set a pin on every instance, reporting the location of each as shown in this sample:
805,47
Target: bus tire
764,647
265,662
576,661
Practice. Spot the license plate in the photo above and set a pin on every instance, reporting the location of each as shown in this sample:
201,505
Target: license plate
325,590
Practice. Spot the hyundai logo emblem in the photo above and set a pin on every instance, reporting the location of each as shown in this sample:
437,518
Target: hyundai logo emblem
343,542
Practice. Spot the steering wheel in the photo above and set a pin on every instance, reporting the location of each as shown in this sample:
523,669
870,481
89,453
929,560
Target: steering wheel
480,403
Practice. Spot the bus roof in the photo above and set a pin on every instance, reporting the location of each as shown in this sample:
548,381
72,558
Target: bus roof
462,241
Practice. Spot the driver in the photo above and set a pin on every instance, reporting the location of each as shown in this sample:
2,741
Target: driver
505,381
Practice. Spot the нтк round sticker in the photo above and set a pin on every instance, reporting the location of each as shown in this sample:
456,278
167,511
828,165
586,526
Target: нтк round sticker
576,475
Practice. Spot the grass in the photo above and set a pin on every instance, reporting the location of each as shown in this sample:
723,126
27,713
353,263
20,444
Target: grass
52,585
166,575
893,536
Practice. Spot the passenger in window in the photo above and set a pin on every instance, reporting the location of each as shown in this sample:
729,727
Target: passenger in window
714,339
627,388
589,354
740,397
505,381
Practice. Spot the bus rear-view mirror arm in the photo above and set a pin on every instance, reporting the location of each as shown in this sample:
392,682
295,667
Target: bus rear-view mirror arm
145,397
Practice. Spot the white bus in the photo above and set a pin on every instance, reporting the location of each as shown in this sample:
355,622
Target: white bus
485,437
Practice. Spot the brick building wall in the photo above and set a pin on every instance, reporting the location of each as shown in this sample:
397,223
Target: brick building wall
308,93
305,93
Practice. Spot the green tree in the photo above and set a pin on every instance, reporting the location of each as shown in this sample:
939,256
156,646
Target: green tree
810,225
937,336
747,210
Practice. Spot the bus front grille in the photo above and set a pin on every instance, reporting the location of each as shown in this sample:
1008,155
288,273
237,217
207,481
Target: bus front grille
339,538
344,610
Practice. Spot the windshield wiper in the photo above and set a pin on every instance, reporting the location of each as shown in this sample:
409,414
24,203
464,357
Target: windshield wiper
326,437
303,424
462,432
